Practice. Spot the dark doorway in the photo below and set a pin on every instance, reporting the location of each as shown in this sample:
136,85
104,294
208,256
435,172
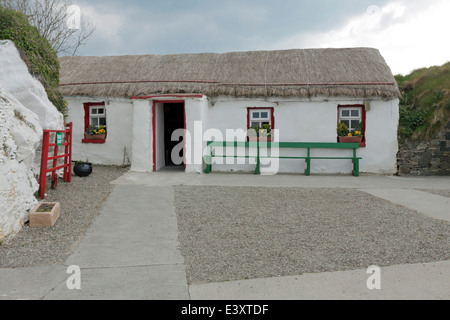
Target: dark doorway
173,120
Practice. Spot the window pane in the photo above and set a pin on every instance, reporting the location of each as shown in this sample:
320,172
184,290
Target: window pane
255,124
345,113
347,122
93,111
94,121
355,113
102,121
101,111
255,115
355,124
264,115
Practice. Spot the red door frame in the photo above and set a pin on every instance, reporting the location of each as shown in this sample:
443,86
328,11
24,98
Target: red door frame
154,127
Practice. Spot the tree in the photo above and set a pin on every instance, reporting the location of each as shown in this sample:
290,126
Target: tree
57,20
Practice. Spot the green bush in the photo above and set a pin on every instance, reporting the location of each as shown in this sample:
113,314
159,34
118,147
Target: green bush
425,102
36,51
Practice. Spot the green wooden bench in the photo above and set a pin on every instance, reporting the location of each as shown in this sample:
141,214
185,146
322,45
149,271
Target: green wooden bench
284,145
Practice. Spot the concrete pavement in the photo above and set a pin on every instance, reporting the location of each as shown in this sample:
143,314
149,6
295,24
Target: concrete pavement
131,250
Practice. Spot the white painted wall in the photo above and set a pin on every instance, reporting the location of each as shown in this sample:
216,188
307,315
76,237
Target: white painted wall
298,120
119,117
315,121
142,140
196,125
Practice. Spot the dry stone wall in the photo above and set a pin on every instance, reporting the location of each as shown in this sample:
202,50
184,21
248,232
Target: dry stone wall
426,158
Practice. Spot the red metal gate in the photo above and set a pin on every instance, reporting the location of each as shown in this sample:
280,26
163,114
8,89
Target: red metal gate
63,139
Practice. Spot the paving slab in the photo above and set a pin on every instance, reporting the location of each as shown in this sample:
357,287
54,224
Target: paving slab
32,283
431,205
161,282
406,282
136,227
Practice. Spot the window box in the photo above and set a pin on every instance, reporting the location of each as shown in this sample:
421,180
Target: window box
344,139
95,136
261,139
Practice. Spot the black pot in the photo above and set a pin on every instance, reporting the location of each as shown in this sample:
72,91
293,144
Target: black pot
82,169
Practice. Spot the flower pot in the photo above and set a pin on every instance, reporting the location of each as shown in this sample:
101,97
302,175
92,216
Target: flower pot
261,139
46,218
95,136
82,169
344,139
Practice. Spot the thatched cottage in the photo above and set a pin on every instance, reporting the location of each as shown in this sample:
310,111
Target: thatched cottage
301,94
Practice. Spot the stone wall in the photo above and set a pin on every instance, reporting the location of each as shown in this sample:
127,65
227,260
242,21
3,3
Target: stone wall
427,158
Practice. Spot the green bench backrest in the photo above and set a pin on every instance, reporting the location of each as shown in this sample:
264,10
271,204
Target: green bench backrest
313,145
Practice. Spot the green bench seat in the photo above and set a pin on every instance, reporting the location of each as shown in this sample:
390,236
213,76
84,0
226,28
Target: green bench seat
284,145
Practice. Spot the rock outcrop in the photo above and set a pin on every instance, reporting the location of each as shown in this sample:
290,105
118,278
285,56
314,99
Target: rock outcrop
20,136
25,111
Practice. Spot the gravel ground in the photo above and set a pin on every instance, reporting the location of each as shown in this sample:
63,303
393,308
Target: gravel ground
80,201
232,233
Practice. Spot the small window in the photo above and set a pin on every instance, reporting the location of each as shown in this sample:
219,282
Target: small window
352,117
94,115
260,117
97,116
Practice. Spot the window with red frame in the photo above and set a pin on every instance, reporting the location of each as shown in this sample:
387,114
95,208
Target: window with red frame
353,116
95,115
257,117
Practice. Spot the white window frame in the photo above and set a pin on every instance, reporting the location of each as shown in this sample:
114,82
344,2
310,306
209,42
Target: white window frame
350,117
260,120
97,115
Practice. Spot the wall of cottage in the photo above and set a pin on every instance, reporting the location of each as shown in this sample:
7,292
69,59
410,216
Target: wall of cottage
130,127
117,148
426,158
315,121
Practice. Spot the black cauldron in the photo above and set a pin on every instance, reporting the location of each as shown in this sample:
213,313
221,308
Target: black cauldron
82,169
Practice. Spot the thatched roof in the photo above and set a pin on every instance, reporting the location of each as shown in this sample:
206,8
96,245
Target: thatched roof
355,72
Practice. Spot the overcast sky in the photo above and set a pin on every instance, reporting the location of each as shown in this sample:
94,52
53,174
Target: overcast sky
410,34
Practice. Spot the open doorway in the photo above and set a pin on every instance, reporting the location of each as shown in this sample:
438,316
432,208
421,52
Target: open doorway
169,117
173,120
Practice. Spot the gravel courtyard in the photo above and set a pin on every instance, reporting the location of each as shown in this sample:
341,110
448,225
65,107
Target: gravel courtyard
81,202
233,233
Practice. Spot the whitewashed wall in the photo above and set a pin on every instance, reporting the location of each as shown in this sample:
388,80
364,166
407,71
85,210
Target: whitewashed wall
315,121
130,125
119,117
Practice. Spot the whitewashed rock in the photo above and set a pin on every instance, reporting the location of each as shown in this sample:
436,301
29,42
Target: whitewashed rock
15,78
20,136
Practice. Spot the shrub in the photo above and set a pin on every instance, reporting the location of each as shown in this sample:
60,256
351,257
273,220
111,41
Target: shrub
36,51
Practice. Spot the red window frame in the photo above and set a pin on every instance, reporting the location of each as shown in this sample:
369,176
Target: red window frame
87,120
272,115
363,119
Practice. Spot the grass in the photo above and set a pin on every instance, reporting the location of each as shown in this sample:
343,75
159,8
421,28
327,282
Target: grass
425,103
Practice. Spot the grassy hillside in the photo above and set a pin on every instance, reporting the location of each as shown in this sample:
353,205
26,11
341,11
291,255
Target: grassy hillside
36,51
425,103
